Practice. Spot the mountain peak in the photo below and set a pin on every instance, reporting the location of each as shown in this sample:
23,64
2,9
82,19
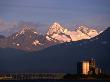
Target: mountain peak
87,31
27,29
55,28
56,24
83,29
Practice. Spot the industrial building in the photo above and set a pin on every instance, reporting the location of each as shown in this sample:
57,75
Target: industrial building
88,67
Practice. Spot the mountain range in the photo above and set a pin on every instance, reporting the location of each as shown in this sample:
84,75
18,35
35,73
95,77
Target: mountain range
29,39
62,57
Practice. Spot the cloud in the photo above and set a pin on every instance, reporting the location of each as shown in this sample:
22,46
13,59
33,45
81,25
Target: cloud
4,25
31,24
40,27
7,28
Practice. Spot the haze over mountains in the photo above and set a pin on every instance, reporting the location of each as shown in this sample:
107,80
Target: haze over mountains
29,39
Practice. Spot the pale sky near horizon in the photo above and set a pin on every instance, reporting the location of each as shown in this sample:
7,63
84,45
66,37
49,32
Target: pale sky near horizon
67,12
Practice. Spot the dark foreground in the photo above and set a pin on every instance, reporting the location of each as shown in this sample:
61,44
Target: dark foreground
61,77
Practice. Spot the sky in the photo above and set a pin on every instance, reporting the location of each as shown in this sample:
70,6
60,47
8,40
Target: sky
70,13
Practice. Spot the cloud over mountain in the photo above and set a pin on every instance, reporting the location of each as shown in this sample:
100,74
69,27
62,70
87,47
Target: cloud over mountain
4,25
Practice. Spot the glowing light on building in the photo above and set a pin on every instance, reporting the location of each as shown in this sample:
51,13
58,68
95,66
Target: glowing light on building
88,67
85,67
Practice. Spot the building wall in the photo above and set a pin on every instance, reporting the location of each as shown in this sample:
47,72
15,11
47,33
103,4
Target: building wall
85,67
88,67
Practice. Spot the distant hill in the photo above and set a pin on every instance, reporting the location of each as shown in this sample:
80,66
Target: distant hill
59,58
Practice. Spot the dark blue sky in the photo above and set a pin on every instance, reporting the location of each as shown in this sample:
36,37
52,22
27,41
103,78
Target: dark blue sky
67,12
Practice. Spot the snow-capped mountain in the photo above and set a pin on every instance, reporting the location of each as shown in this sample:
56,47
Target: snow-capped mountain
88,31
26,39
57,32
29,39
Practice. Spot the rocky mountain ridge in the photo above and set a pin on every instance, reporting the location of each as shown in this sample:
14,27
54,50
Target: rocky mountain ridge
30,39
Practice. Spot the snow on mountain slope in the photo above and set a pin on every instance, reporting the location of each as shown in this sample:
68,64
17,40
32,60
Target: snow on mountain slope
57,32
28,38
